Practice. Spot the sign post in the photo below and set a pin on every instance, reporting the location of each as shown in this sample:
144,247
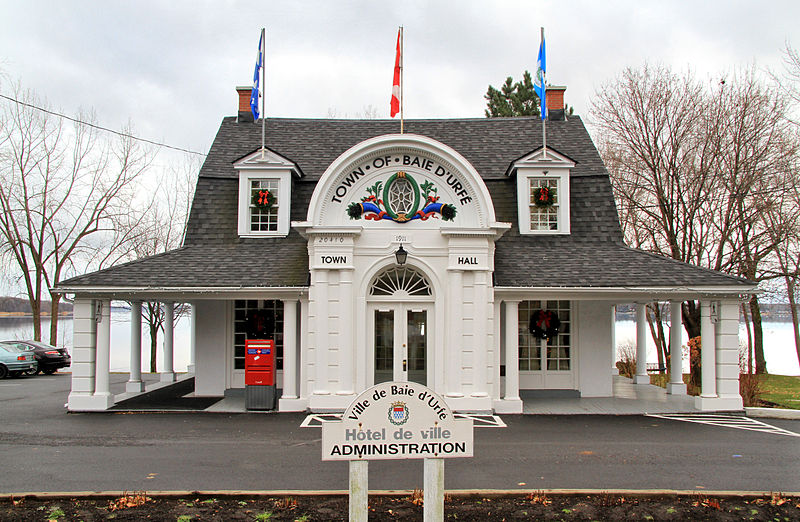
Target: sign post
397,420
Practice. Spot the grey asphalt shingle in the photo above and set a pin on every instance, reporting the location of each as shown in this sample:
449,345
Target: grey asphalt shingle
592,255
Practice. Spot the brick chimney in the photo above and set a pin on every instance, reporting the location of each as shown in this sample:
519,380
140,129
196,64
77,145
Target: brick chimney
244,114
554,98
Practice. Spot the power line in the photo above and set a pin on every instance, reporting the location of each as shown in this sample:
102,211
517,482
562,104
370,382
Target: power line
99,127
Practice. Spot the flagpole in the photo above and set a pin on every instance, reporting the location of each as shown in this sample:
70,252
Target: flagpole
402,53
263,98
544,116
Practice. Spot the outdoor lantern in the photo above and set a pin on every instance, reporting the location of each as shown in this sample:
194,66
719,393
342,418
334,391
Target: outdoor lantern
401,255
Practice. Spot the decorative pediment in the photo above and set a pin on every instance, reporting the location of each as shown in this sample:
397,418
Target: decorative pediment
541,159
266,160
401,179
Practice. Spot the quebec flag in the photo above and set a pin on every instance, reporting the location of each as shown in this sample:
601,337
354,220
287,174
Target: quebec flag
538,82
259,64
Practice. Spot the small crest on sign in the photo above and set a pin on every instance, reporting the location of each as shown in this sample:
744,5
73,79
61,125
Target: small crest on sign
398,413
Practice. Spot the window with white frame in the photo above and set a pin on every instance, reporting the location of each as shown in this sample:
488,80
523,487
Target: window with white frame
543,204
243,314
264,200
543,201
262,218
557,356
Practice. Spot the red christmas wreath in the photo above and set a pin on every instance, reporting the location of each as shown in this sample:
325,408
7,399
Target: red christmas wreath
544,324
263,199
260,324
544,196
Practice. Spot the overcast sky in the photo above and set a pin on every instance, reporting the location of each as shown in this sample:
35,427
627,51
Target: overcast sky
170,67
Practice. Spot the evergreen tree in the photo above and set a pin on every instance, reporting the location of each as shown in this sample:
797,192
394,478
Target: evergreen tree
512,99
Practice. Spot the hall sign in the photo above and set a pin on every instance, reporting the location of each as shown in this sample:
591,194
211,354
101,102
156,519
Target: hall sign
397,420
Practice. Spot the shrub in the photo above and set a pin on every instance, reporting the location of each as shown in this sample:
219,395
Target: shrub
695,368
750,384
627,359
750,389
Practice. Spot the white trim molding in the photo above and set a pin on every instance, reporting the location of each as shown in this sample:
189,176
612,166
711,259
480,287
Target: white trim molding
268,166
536,168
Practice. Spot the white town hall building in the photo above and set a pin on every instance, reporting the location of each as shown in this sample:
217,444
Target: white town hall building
441,255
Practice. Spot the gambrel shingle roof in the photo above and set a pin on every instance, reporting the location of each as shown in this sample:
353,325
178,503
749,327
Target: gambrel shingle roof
592,255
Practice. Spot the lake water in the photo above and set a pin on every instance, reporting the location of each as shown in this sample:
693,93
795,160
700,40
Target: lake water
778,341
22,328
779,350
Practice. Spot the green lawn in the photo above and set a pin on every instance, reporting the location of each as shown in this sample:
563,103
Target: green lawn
783,390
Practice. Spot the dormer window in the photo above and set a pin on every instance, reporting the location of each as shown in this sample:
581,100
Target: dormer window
544,205
258,176
543,195
264,218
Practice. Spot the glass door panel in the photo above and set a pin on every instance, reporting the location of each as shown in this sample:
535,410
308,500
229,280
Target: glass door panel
417,339
384,345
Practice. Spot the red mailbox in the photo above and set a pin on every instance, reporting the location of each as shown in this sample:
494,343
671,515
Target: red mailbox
259,362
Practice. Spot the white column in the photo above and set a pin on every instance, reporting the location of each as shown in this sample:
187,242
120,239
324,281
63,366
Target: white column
102,388
614,369
193,345
454,337
168,373
289,349
135,384
346,328
511,394
84,351
497,337
321,304
708,352
641,376
676,385
728,353
480,316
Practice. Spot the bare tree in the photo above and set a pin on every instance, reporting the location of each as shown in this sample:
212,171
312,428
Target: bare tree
160,229
789,80
788,253
60,186
784,229
370,112
757,147
695,168
650,133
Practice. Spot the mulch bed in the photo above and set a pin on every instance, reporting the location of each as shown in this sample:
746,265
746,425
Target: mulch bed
530,506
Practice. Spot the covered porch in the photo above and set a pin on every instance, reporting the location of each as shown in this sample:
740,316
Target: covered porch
606,393
597,386
213,368
628,399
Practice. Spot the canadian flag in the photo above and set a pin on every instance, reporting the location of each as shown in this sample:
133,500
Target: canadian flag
395,104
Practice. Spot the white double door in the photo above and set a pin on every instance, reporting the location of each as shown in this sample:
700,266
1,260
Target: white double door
400,337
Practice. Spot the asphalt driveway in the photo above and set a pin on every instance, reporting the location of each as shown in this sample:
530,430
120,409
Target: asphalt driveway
44,448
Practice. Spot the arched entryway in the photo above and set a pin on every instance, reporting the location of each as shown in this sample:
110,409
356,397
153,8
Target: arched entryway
400,315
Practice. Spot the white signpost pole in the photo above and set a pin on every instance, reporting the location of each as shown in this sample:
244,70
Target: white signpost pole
434,490
359,489
397,420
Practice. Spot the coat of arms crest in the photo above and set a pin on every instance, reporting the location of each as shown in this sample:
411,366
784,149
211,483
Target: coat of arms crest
401,200
398,413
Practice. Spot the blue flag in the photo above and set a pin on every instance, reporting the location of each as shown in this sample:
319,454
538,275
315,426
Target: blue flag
259,64
538,83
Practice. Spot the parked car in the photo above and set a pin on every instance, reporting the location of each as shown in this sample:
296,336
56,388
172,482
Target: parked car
49,358
15,360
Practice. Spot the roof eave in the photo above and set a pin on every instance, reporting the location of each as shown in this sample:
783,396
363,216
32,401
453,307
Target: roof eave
630,293
188,292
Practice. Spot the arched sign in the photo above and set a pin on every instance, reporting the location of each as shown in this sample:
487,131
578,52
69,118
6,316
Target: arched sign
401,179
397,420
